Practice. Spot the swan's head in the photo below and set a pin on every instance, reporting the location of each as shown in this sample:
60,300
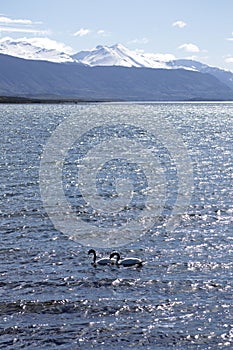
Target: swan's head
115,254
91,251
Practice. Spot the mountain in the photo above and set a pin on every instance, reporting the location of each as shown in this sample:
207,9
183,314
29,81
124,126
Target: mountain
36,49
221,74
115,55
118,55
35,78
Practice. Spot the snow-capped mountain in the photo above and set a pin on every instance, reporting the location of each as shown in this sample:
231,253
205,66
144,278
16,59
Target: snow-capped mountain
41,79
119,55
116,55
223,75
36,49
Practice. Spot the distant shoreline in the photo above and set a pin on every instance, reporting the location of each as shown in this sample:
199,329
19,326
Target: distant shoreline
49,100
29,100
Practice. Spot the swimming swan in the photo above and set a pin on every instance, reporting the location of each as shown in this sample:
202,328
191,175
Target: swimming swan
103,261
126,262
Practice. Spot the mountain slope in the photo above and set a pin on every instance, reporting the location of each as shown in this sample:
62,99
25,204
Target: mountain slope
36,49
21,77
115,55
221,74
118,55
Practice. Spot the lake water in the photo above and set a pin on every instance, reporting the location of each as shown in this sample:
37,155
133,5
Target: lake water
51,297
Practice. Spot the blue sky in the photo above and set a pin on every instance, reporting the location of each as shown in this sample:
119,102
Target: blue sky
198,29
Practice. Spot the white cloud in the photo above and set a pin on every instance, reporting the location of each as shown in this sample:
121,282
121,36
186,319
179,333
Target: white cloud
230,39
229,60
82,32
139,41
179,24
23,30
165,57
103,32
8,20
45,43
189,47
21,26
49,44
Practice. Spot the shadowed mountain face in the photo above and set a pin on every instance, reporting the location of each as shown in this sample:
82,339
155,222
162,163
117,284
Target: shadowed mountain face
103,55
224,76
19,77
119,55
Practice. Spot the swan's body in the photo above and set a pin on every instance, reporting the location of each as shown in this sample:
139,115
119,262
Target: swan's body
126,262
103,261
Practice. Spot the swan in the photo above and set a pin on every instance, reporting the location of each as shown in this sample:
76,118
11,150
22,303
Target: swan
103,261
126,262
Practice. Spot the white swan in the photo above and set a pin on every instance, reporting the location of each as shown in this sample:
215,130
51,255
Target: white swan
103,261
126,262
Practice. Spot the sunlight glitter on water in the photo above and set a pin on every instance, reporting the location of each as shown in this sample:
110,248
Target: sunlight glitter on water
51,296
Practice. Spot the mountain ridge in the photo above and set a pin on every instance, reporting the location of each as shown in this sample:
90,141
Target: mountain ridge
35,49
118,55
31,78
102,55
110,56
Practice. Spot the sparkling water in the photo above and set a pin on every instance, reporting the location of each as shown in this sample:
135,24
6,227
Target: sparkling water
153,181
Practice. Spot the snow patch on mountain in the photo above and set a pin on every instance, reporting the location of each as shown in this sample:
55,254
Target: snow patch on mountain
116,55
119,55
36,49
223,75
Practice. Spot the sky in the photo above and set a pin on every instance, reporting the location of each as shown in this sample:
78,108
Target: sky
196,29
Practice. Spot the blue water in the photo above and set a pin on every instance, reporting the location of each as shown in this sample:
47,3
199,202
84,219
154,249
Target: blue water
50,295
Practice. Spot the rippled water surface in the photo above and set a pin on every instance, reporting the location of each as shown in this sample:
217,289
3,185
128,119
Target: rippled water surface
50,295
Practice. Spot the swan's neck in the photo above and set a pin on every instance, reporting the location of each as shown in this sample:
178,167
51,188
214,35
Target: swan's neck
117,258
94,256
